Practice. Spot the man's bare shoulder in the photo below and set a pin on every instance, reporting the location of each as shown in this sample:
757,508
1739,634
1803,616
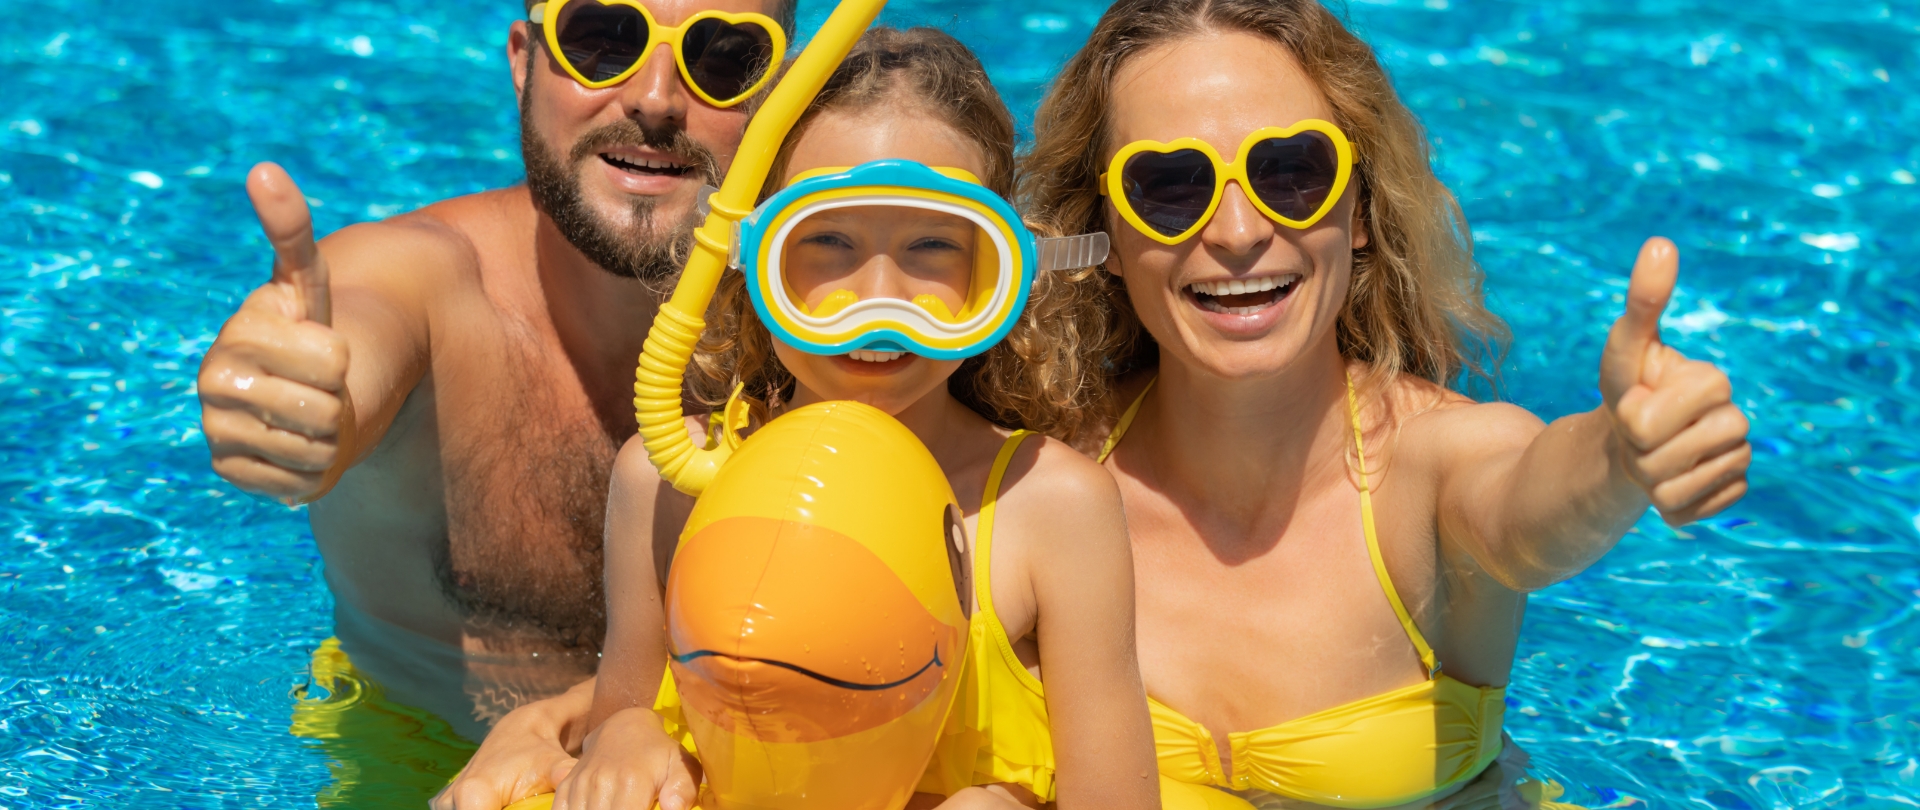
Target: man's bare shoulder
437,248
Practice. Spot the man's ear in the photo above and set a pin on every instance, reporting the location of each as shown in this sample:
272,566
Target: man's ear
520,49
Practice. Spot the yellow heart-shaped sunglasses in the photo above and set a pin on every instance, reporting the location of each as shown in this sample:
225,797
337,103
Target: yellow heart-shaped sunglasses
1169,191
725,58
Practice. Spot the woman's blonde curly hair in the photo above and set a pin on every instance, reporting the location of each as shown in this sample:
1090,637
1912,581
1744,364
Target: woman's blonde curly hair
1415,305
1047,375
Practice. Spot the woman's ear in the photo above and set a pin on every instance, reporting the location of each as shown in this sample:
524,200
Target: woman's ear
1361,235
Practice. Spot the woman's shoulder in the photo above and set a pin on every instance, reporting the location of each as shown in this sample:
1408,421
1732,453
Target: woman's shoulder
1439,424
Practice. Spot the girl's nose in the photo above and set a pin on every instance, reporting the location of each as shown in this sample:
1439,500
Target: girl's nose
881,277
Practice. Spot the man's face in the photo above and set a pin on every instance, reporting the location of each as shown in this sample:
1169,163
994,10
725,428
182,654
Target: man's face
618,168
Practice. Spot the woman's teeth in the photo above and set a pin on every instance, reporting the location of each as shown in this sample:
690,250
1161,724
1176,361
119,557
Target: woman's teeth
1242,296
875,357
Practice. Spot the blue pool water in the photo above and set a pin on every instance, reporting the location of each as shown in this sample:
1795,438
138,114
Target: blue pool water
153,620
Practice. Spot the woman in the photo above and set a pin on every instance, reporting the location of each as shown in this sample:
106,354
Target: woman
1333,549
1051,586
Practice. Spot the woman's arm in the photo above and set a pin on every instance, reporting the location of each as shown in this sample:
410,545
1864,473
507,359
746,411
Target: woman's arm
1080,567
1535,506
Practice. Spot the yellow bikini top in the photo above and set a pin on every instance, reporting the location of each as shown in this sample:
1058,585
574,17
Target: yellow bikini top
1385,750
997,730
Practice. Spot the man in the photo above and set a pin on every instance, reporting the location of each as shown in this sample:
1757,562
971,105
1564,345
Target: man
449,388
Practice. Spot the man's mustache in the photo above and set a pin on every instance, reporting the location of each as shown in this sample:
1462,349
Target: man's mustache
673,141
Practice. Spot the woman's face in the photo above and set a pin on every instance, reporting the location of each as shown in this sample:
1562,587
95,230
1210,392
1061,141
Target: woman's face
836,257
1220,87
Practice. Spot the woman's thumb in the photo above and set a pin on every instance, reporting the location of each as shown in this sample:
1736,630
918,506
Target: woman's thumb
1654,276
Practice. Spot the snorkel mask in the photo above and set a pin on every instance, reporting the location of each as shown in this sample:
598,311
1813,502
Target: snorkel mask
895,256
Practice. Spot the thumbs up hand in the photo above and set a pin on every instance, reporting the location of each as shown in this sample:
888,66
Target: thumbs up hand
273,386
1677,433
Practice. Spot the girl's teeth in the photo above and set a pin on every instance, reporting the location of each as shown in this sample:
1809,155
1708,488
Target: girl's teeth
875,357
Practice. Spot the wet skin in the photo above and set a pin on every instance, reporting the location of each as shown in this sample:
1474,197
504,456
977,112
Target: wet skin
477,373
1257,602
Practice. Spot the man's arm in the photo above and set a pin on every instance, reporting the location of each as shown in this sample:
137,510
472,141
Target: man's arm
305,378
1534,506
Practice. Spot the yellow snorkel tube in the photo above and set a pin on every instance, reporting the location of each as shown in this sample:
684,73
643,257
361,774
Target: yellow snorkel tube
669,346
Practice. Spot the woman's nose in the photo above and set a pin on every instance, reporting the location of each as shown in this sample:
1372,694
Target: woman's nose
1237,227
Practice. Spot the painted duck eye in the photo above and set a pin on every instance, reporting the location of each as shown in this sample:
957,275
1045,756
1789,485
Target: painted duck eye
957,558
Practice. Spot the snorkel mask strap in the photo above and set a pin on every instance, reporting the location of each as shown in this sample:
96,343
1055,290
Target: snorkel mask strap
663,363
1071,252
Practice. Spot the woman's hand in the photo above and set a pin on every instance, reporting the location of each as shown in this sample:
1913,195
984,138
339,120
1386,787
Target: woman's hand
1676,432
526,753
629,761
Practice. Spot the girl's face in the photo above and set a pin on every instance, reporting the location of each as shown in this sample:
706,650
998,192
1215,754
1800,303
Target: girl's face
839,256
1220,87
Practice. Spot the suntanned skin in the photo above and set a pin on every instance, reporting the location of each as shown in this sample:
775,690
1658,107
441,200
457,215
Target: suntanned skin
1059,577
475,374
1257,603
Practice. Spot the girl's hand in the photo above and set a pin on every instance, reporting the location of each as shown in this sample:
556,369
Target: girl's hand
629,761
525,754
1676,433
975,798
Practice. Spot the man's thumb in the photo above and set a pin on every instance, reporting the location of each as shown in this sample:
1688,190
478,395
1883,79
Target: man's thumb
1651,286
284,217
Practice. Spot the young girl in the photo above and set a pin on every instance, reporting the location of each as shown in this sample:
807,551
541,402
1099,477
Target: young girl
1051,572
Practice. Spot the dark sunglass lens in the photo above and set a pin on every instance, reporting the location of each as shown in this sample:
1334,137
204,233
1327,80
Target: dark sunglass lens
1293,175
601,42
725,59
1170,191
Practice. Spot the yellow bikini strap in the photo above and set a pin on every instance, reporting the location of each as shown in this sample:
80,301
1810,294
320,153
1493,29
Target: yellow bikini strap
1126,421
1427,658
983,539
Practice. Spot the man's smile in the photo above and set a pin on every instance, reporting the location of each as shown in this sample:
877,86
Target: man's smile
645,162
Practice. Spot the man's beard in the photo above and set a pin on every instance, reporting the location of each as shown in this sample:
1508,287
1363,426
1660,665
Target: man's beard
646,249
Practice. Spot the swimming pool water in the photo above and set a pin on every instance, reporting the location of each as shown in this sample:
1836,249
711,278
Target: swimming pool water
153,620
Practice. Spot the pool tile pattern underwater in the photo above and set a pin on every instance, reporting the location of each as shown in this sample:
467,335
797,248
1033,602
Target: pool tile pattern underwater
153,621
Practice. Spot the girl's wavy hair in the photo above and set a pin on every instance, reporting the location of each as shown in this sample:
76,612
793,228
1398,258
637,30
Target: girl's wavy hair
1416,304
1047,374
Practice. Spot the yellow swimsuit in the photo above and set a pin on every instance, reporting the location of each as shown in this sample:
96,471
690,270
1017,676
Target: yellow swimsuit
1385,750
998,730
